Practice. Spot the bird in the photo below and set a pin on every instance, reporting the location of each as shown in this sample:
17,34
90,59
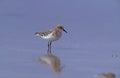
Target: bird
51,35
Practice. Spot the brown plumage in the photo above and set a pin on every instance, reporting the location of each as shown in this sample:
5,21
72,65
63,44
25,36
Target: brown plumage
51,35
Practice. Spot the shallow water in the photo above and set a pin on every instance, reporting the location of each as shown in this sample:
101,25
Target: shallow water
91,46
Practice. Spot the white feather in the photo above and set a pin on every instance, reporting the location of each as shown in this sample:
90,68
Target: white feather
50,37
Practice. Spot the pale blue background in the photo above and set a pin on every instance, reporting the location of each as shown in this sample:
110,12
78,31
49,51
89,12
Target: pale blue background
93,36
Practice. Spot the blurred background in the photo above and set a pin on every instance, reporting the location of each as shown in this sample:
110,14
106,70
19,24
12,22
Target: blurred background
91,46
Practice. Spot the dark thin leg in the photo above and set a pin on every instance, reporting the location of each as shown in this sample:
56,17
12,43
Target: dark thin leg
50,47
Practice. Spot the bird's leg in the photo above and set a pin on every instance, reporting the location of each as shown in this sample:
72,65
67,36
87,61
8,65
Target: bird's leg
50,47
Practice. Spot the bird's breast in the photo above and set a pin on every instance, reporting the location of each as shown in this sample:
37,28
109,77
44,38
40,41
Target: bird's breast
51,37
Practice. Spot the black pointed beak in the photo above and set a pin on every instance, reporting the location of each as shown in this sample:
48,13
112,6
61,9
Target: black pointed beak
64,30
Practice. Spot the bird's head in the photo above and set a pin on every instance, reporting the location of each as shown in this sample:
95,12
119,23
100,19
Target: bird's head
60,27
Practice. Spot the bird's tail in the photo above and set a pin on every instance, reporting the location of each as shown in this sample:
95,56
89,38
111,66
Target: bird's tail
38,34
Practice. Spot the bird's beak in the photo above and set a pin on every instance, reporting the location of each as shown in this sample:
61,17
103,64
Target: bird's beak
64,30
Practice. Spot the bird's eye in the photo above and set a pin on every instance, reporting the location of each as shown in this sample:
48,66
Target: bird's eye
61,27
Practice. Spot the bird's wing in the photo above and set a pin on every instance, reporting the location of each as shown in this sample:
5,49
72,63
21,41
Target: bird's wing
43,33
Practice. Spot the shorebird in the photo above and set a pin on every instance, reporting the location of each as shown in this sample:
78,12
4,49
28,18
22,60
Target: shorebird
51,35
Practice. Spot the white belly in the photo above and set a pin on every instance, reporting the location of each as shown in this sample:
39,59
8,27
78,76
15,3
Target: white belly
50,37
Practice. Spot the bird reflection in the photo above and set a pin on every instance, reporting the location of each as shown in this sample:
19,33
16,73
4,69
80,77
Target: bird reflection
52,61
106,75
